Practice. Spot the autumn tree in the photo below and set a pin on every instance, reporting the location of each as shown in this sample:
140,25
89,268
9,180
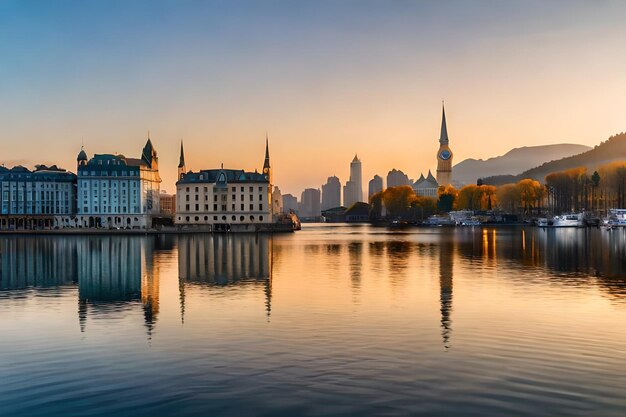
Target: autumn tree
447,198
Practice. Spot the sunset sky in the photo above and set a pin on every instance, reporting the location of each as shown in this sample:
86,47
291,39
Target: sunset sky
325,79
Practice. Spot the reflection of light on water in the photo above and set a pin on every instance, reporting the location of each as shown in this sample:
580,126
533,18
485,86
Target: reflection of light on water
524,240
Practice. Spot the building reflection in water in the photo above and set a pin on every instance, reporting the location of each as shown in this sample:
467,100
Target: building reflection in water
225,260
115,272
446,256
40,263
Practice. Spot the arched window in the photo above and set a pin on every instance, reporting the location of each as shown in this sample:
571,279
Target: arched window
251,218
223,217
206,218
241,218
234,218
260,218
197,218
187,218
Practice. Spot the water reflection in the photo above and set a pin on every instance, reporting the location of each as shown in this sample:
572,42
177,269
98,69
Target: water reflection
446,257
225,260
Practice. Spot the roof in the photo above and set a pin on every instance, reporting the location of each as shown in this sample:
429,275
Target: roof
443,137
428,182
230,175
41,173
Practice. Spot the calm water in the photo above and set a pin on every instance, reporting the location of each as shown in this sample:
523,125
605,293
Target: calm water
332,320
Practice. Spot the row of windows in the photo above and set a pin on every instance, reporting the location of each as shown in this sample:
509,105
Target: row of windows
223,207
224,197
233,189
31,184
223,218
83,173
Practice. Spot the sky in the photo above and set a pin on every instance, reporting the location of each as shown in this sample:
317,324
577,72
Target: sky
324,79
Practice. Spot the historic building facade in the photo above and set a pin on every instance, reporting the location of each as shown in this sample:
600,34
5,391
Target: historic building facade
116,192
221,198
41,199
444,154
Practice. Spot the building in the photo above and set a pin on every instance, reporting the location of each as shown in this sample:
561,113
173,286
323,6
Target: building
353,190
41,199
167,202
221,198
116,192
290,203
310,203
331,193
375,186
444,154
397,178
426,187
277,202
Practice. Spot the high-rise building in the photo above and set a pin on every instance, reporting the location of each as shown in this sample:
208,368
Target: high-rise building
290,203
118,192
375,186
444,154
277,202
353,190
331,193
397,178
310,203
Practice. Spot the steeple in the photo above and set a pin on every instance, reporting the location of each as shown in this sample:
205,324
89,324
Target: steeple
443,138
181,164
356,158
266,164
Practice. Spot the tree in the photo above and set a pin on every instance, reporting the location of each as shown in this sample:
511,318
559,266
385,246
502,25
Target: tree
376,206
398,201
447,198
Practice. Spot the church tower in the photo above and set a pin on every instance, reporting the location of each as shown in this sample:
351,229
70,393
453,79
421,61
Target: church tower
181,164
444,154
267,170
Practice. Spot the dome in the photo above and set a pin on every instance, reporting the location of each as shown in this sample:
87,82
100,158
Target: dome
82,155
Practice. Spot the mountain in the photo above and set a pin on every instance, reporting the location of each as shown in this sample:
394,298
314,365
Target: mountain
613,149
513,162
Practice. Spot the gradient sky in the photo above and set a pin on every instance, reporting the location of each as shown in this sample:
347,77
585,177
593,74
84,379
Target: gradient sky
325,79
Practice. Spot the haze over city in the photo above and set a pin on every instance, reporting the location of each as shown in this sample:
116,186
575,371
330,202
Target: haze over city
325,79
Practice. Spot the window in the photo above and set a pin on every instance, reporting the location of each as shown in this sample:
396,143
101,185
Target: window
234,197
223,217
187,197
260,218
206,207
251,218
206,189
251,197
186,207
196,189
196,218
215,218
251,206
260,189
187,218
260,197
206,218
234,189
197,197
260,207
251,188
242,205
241,218
187,189
233,207
223,207
215,197
214,207
234,218
197,207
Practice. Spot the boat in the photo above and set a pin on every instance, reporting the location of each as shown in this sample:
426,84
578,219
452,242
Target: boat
616,218
471,222
544,222
569,220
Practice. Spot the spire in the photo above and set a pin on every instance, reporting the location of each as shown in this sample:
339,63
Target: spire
443,138
181,163
266,164
356,158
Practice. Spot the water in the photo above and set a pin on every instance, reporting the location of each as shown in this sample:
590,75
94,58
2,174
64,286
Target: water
333,320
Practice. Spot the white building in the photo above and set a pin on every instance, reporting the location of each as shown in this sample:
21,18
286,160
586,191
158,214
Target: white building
220,198
375,185
426,187
118,192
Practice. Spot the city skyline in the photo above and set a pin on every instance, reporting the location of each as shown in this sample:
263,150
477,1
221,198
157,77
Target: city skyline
325,79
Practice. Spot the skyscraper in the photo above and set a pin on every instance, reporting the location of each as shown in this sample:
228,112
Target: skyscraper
331,193
310,203
375,186
444,154
353,190
396,178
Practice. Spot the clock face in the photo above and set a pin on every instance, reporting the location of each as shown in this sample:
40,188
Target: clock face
265,170
445,154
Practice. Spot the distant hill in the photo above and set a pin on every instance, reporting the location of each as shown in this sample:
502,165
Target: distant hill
513,162
613,149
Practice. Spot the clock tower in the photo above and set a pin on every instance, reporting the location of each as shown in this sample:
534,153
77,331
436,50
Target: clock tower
444,154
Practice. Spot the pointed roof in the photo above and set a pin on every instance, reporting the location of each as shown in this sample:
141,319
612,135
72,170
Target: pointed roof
266,164
430,176
181,163
356,158
443,138
148,152
82,155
